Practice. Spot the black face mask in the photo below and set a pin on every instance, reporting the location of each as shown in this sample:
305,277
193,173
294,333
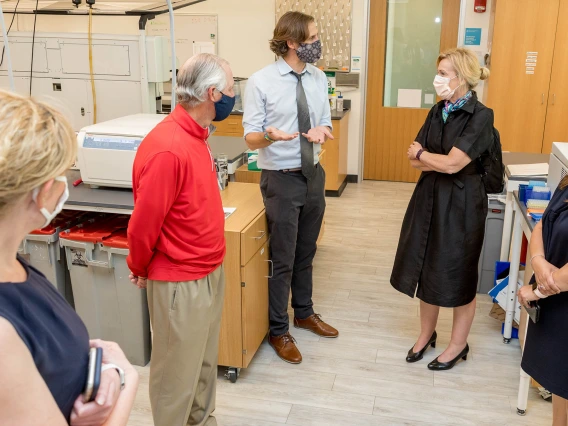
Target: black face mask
309,53
224,107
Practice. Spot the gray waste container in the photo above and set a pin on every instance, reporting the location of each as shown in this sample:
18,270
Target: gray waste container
111,307
491,246
42,250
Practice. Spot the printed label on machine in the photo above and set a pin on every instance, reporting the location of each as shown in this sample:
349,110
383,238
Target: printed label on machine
116,143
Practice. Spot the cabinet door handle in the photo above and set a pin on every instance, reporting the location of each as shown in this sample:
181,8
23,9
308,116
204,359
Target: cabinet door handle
261,236
271,268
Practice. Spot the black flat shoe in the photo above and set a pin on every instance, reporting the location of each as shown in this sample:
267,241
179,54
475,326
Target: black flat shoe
417,356
441,366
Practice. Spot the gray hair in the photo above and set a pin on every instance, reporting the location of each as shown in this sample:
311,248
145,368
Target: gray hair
197,75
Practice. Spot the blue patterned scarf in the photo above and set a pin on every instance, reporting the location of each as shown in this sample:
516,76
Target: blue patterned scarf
450,107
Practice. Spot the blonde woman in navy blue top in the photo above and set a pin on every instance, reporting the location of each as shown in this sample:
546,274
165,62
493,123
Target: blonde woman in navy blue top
44,345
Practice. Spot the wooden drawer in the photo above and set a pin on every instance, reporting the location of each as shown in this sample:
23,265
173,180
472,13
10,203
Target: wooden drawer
253,238
232,126
255,302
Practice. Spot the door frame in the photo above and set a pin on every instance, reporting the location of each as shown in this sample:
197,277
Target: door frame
363,89
365,69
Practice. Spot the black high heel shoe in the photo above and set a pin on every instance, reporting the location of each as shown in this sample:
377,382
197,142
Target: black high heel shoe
417,356
441,366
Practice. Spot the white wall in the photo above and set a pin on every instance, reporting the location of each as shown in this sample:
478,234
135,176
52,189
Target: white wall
356,130
477,20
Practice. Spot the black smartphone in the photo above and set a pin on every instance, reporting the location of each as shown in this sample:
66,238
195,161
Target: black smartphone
94,375
533,311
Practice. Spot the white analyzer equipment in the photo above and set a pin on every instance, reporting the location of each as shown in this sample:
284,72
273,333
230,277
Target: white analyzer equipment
107,150
558,166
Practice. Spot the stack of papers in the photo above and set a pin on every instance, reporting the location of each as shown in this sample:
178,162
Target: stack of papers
538,169
229,211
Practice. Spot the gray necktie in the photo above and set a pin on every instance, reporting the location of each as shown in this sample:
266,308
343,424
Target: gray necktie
304,124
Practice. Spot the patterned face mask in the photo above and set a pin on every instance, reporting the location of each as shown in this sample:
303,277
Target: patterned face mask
309,53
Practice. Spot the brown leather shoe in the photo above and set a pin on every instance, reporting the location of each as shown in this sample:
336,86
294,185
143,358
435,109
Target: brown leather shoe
317,326
285,347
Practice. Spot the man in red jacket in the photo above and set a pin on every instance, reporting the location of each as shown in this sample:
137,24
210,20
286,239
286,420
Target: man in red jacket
177,244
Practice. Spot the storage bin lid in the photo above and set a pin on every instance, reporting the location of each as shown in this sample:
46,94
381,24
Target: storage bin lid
118,239
64,220
96,230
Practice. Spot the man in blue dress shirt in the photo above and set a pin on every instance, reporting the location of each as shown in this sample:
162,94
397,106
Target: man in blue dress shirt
287,118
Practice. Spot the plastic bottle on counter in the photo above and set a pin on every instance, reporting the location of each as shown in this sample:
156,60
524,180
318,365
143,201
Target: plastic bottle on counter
340,102
333,102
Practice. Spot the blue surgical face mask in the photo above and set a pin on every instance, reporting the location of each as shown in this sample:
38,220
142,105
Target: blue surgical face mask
224,107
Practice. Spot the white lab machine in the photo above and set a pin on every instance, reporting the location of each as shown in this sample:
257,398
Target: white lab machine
129,75
558,166
107,150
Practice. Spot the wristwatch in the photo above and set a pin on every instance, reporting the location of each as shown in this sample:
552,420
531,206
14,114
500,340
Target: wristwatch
419,153
120,372
268,138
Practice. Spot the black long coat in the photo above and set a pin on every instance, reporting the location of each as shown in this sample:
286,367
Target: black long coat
444,226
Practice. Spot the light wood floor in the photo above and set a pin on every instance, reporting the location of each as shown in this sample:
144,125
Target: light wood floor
361,378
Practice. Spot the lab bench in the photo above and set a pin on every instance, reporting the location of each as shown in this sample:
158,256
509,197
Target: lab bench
512,184
247,264
523,224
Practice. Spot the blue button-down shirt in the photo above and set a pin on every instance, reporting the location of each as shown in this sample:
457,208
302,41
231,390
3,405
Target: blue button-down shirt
270,100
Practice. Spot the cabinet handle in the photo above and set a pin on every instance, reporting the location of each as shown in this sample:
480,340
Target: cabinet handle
262,234
271,268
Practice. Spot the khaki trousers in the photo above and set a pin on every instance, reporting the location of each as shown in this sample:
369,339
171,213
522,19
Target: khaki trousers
186,320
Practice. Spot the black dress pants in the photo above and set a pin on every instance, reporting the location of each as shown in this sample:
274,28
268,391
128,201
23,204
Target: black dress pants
295,208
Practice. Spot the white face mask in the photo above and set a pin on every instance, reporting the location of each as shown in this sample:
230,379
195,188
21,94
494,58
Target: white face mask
442,86
50,216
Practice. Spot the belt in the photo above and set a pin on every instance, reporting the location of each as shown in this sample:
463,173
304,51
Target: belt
299,169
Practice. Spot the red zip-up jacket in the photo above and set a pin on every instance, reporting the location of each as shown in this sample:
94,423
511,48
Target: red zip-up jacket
176,232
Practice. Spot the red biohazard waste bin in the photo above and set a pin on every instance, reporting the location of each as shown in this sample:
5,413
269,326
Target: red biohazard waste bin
111,307
42,251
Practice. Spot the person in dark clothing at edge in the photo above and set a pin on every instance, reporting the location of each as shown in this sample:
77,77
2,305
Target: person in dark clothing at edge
544,357
44,345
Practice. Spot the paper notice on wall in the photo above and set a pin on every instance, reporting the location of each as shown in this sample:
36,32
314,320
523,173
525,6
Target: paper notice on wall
472,37
409,98
429,99
203,47
356,64
531,62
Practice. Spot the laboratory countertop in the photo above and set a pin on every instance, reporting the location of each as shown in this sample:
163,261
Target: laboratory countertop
100,199
335,115
510,158
121,200
531,223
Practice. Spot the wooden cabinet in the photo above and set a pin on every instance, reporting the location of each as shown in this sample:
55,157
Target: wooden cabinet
232,126
556,129
335,163
244,175
245,314
527,88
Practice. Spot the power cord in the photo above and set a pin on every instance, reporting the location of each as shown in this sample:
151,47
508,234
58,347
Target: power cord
33,44
8,32
91,68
